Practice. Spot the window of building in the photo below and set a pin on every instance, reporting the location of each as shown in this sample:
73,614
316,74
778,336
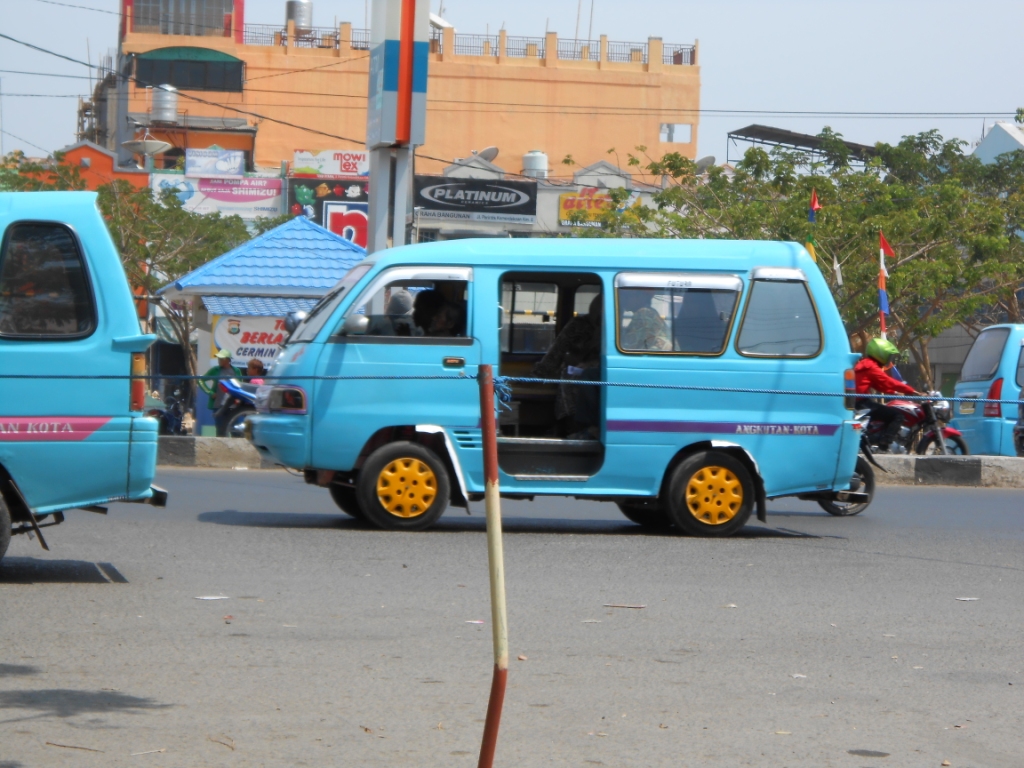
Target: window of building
677,312
414,304
174,17
780,320
44,286
192,69
675,133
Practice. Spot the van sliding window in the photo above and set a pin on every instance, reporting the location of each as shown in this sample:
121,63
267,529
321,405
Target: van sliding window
44,286
780,319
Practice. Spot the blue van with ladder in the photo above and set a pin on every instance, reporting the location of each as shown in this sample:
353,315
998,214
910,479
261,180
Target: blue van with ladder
671,403
66,310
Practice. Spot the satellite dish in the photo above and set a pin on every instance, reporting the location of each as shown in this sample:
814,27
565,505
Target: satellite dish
704,163
488,154
147,147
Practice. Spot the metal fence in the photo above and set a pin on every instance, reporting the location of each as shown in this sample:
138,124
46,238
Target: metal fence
361,39
261,34
476,45
317,37
678,54
524,47
579,50
627,52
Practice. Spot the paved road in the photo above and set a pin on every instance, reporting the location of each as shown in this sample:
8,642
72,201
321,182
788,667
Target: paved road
796,644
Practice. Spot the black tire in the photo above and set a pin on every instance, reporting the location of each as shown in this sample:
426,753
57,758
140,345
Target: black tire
418,482
710,494
649,514
345,497
234,427
863,481
5,526
955,444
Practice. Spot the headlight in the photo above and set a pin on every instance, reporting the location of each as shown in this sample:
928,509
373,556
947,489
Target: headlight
943,410
287,400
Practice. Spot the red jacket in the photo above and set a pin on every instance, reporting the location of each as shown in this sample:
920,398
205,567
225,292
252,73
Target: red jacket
871,377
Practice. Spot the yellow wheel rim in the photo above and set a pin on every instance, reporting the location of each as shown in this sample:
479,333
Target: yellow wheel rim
406,487
714,495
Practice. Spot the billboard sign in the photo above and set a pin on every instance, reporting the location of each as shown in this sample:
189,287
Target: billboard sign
247,338
330,163
214,163
339,206
487,200
249,198
586,207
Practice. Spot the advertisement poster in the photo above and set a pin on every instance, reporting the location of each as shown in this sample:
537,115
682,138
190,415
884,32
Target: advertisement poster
214,163
247,338
587,207
330,163
249,198
441,197
341,207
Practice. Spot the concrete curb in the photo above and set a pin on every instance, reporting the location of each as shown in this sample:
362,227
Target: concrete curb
209,452
970,471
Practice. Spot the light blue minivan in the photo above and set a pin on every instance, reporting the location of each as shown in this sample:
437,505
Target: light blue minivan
993,370
724,315
66,310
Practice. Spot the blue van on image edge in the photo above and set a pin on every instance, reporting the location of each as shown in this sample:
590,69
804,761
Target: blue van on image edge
789,445
993,370
66,309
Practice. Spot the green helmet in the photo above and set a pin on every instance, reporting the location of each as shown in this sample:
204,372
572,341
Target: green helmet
882,350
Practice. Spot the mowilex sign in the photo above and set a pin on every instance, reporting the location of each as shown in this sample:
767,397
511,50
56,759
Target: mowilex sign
497,200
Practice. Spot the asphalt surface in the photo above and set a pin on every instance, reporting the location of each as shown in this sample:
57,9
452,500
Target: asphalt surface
812,641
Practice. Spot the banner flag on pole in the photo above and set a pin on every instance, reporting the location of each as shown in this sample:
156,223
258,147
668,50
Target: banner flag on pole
815,206
884,249
809,245
838,272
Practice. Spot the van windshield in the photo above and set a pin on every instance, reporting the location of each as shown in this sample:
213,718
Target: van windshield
319,314
983,359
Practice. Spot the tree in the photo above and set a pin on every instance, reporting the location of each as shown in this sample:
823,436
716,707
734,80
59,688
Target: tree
953,222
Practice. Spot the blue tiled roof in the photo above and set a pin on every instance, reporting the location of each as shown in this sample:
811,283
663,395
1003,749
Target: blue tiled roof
265,306
298,258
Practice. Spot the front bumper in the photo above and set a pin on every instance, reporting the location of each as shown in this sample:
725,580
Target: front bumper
280,437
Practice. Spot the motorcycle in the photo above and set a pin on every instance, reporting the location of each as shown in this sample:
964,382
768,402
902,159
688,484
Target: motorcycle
861,492
172,415
924,429
240,406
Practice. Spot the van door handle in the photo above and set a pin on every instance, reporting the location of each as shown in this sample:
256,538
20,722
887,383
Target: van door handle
454,362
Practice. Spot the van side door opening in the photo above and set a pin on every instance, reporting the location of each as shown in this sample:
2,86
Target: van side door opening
551,431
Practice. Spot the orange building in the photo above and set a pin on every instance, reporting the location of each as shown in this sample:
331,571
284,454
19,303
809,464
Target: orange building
271,89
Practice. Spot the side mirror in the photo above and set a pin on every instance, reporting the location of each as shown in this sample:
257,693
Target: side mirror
291,322
355,325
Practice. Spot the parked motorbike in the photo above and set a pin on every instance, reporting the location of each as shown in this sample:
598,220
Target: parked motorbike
171,416
240,406
924,429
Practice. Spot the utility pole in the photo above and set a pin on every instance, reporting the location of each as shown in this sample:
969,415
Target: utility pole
396,114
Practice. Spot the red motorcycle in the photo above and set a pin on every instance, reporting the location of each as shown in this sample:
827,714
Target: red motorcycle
924,429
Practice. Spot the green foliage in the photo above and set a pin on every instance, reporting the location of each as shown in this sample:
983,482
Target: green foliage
953,222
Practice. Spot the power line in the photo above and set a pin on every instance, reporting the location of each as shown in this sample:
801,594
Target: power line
25,141
80,7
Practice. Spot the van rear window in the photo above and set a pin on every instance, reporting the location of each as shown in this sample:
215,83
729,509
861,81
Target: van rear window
780,321
983,360
1020,369
44,287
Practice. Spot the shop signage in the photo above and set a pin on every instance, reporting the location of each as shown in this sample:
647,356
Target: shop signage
249,198
586,207
330,163
247,338
214,163
340,206
441,197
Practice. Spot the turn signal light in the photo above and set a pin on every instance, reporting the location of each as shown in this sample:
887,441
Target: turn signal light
850,387
137,397
995,392
287,400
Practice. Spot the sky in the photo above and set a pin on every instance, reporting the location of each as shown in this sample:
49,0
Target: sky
908,56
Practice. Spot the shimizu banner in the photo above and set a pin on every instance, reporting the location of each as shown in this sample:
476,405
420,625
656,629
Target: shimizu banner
250,198
442,197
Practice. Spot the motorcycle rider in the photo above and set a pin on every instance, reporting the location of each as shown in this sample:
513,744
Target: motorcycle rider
871,377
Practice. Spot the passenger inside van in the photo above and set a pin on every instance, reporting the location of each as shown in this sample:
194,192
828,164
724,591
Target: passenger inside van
642,326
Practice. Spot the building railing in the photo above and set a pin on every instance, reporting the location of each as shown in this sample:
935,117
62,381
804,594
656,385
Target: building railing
482,45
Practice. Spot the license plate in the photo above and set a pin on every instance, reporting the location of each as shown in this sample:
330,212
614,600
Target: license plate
966,408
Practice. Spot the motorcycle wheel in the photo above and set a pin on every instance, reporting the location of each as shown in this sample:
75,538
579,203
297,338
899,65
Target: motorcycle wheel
955,445
865,476
236,424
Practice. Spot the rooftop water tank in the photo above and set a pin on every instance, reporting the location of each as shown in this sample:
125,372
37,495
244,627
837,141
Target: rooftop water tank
301,12
535,164
165,104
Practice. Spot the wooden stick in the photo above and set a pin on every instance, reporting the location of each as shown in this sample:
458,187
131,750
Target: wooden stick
496,566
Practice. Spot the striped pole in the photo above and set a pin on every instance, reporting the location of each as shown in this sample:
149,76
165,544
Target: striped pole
496,563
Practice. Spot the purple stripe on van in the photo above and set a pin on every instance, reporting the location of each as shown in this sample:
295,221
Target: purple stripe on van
725,428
